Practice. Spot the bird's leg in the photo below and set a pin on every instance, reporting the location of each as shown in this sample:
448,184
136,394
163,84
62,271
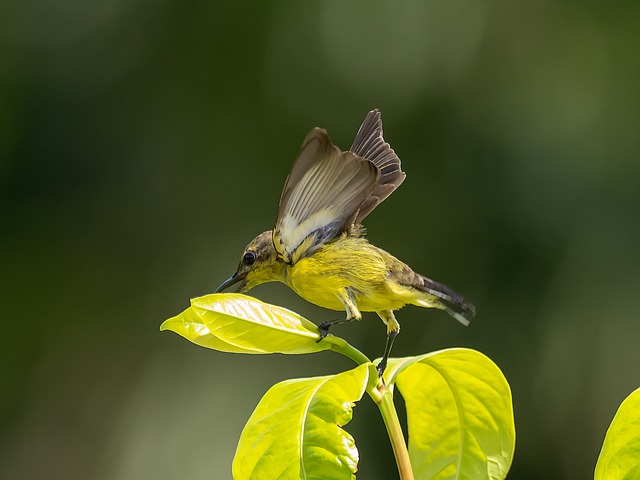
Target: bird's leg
382,366
324,326
351,308
393,327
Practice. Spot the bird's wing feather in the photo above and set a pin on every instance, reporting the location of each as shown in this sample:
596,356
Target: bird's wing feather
322,196
370,145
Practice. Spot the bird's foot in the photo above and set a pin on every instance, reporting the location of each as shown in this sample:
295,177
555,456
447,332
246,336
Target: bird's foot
324,330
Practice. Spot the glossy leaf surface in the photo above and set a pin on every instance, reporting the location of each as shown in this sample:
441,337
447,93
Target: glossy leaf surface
295,431
620,455
231,322
459,414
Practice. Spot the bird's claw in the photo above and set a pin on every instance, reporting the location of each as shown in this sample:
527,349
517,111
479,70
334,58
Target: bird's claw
324,330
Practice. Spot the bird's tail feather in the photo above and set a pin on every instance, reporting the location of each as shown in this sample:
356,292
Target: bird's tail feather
445,299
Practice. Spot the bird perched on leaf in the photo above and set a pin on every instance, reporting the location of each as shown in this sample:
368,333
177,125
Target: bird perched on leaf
318,248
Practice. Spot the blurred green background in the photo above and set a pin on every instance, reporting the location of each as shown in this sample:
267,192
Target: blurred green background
144,143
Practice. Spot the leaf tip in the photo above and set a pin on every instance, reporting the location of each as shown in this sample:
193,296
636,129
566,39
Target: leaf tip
168,324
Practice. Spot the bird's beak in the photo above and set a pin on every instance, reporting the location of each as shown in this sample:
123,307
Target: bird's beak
235,278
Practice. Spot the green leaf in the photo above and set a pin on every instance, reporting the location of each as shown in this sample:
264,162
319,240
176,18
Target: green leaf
459,414
295,431
620,455
231,322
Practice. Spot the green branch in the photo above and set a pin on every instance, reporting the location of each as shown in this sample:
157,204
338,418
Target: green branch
391,421
341,346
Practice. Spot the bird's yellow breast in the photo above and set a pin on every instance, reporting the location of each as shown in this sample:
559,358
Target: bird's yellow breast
347,263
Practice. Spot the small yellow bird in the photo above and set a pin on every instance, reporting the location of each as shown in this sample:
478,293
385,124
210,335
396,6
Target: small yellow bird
318,249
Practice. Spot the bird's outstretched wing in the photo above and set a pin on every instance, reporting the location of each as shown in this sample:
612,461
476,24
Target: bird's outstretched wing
322,196
370,145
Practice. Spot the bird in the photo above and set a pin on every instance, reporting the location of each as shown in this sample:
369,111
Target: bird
318,246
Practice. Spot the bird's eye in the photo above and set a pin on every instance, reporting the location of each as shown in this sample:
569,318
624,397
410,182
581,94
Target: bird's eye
249,258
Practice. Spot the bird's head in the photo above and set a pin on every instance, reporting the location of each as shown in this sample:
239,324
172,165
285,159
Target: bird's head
259,264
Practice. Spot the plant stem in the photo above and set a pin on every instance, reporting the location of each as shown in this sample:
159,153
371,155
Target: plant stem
341,346
391,421
383,397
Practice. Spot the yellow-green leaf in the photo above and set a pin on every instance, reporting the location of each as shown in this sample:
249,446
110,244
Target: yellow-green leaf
620,455
295,431
231,322
459,414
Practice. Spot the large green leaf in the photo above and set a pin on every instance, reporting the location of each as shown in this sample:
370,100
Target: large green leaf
459,414
231,322
620,455
295,431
